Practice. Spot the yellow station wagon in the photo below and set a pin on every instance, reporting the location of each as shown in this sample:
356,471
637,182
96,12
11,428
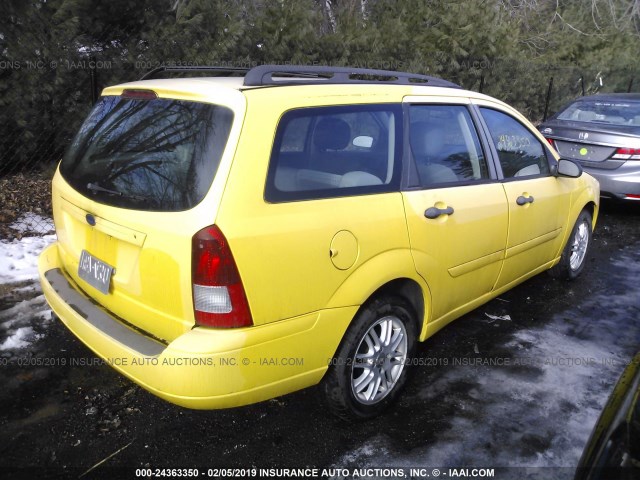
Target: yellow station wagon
227,239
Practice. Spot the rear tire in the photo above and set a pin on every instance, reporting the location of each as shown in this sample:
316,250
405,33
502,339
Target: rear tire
575,252
369,368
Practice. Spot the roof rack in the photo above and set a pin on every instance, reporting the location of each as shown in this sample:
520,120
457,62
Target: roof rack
269,75
291,74
153,73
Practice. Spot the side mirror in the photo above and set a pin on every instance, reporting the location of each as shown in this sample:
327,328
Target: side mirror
568,168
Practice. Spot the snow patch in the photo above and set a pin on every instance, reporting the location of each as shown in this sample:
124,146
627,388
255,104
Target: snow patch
19,339
21,322
19,258
18,323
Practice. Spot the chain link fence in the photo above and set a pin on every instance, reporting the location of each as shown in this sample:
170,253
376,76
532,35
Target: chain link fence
30,148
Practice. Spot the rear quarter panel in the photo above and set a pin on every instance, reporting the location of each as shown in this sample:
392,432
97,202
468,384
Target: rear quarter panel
283,249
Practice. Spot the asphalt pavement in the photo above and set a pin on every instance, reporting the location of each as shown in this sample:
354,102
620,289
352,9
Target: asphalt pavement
516,383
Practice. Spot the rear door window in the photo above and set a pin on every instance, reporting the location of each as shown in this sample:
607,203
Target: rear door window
155,155
335,151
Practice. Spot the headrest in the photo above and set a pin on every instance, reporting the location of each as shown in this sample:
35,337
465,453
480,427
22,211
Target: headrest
586,116
331,134
427,138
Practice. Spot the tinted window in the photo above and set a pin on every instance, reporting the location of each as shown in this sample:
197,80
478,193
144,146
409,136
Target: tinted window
519,151
335,151
445,145
156,155
615,112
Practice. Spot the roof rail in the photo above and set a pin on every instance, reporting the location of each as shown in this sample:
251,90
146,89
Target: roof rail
291,74
155,71
263,75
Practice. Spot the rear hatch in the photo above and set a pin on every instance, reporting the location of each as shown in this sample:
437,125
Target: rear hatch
144,173
593,130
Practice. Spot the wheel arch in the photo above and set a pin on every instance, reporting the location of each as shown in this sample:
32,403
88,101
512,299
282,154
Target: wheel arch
588,199
406,288
585,201
593,209
396,274
579,207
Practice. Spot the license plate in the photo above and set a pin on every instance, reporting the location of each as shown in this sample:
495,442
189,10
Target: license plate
95,272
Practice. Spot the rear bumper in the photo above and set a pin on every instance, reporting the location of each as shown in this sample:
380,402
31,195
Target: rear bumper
618,183
203,368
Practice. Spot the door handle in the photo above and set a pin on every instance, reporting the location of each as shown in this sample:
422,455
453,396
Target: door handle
435,212
521,200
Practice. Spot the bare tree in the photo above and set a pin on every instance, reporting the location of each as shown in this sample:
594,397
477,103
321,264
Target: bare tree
328,8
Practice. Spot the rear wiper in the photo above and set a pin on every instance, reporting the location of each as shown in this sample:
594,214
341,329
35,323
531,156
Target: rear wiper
97,188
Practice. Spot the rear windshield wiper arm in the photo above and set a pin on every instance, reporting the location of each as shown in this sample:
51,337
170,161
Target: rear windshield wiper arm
97,188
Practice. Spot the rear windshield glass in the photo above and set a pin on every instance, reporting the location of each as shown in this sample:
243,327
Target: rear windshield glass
156,155
614,112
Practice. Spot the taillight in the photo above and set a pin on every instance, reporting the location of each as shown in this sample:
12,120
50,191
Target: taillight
550,141
627,154
218,295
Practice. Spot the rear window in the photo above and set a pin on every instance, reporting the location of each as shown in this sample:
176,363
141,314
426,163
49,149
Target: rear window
155,155
336,151
614,112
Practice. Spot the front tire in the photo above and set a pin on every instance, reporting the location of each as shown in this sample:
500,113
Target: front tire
575,252
369,368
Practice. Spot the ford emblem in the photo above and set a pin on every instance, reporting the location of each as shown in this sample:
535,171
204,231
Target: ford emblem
91,220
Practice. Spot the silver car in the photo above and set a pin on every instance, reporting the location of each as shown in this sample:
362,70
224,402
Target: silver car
602,133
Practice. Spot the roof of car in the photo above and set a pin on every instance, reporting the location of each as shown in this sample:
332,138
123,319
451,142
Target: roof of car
200,87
